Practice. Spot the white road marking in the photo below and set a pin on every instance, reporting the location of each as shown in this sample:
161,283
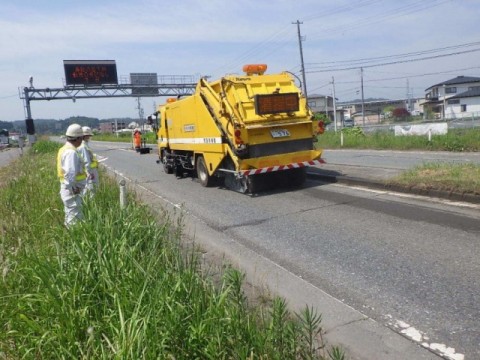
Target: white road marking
420,337
413,196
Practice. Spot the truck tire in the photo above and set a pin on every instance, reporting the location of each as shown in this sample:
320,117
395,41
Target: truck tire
166,167
202,172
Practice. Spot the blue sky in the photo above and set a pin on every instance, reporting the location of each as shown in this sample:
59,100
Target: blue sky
216,37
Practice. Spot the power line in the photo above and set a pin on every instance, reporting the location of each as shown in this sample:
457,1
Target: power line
321,86
8,96
380,17
342,9
415,53
262,46
395,62
412,75
271,44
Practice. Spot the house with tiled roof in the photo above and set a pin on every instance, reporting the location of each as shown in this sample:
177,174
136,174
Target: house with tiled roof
453,99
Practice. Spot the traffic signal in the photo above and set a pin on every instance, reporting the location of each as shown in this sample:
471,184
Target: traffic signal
30,126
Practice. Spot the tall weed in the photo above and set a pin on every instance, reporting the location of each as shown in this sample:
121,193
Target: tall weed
119,285
455,140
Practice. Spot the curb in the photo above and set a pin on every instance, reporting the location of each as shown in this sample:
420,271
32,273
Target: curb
374,184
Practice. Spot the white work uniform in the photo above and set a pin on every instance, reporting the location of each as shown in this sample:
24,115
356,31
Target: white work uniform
72,177
91,167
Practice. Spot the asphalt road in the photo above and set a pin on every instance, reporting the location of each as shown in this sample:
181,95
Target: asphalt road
381,164
409,264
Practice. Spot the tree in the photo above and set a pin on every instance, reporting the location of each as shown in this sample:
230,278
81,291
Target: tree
400,113
321,116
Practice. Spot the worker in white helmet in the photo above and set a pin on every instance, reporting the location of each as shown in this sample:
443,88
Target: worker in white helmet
91,162
71,172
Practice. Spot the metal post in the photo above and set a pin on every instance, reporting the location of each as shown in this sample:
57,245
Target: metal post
334,105
363,100
444,103
123,194
27,103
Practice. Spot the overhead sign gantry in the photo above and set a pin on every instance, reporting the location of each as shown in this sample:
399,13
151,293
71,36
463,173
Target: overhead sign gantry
87,79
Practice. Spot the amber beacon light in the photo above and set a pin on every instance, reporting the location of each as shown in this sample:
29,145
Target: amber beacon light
255,69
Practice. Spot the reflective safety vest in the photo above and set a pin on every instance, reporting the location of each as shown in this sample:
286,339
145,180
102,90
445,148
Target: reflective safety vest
80,175
93,158
137,140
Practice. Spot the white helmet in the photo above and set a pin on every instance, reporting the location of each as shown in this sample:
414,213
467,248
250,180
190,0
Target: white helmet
74,131
87,131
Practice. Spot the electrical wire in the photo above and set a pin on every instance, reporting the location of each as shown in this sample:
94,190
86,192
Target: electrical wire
284,37
280,39
8,96
330,69
379,17
410,76
415,53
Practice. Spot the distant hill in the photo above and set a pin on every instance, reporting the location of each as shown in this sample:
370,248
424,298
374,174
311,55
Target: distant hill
52,126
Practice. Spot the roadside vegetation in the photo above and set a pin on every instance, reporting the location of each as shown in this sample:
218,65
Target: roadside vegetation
120,285
458,178
354,138
125,137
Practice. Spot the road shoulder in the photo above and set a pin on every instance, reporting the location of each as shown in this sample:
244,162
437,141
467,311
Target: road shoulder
361,337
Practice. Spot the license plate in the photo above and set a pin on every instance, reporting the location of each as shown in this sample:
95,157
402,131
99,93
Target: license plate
279,133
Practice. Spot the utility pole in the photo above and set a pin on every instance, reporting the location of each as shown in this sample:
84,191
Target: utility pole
409,98
444,102
301,58
140,114
334,105
363,99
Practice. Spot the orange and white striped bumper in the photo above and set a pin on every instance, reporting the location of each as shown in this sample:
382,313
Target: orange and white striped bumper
281,167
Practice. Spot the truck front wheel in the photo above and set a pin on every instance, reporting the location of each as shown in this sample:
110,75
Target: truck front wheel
202,172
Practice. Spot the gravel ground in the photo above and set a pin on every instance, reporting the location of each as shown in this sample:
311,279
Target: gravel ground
8,154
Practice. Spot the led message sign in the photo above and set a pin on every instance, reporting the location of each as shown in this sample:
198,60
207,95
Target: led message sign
276,103
90,72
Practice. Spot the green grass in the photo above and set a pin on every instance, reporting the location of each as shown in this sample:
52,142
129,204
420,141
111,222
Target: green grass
148,136
455,140
120,286
459,178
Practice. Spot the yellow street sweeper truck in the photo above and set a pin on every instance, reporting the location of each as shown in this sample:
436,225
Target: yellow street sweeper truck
241,131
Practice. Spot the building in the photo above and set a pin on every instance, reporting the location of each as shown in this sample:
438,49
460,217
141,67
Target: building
324,104
112,126
455,98
4,134
375,110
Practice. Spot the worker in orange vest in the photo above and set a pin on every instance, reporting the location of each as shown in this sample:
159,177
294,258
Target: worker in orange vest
137,139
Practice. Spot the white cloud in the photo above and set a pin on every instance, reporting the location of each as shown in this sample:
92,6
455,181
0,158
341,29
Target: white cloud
216,37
